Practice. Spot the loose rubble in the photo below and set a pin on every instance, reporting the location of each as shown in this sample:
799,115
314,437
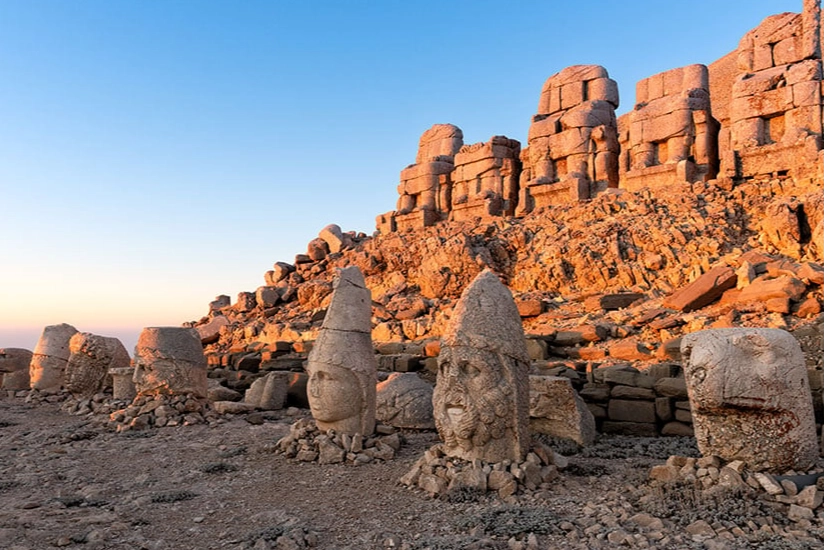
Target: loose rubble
307,443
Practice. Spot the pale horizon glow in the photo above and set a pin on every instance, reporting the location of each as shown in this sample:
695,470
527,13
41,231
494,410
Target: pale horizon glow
154,155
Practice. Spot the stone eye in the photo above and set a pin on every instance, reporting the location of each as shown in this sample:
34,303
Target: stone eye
699,375
469,370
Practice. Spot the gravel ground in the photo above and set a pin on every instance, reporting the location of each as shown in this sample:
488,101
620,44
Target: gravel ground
68,481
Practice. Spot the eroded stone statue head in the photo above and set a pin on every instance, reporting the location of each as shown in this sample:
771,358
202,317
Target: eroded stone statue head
169,360
342,366
481,397
750,397
335,397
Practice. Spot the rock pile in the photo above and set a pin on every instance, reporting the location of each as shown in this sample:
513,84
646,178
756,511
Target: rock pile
798,493
441,475
306,443
163,410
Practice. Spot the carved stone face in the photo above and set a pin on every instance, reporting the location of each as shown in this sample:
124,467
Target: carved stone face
335,397
471,401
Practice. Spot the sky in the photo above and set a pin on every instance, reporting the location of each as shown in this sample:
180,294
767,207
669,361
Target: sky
156,154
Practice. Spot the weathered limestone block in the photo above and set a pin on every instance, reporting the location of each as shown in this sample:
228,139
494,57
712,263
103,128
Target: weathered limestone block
708,288
481,398
211,331
123,384
750,397
317,249
279,272
268,296
404,400
14,367
169,360
219,303
342,366
50,356
426,186
789,288
246,302
269,392
556,409
334,237
91,358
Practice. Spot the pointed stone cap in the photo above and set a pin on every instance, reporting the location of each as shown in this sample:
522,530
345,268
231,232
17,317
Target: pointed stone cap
54,341
350,309
486,318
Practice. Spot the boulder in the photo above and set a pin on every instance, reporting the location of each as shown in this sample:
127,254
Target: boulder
404,400
91,358
557,410
708,288
269,392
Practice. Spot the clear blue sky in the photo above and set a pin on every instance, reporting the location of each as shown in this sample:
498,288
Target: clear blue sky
155,154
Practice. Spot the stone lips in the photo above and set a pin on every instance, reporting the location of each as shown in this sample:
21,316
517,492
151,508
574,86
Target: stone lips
750,397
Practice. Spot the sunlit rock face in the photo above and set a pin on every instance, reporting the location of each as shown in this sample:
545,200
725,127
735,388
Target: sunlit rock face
170,360
342,366
91,358
750,397
481,398
51,354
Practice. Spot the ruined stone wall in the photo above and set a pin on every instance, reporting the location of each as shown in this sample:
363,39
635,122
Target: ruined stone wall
670,136
776,100
754,114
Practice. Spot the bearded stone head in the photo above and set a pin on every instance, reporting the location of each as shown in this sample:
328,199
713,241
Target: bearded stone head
480,401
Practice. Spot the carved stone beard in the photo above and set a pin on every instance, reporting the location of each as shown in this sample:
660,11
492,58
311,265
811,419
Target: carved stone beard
486,415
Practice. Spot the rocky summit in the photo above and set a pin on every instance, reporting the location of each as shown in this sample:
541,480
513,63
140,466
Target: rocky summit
608,336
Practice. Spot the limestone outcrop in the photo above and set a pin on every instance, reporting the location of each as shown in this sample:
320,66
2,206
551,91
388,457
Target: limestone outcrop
776,99
572,148
755,114
670,137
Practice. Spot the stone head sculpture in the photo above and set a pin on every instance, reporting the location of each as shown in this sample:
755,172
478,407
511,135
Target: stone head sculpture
91,358
342,366
170,360
750,397
481,397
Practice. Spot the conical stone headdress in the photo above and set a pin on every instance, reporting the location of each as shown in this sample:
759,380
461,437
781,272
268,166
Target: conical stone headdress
486,318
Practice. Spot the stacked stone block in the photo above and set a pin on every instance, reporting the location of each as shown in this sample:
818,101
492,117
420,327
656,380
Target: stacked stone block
424,191
671,136
776,99
486,179
573,145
